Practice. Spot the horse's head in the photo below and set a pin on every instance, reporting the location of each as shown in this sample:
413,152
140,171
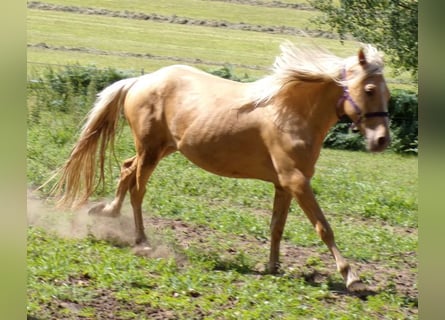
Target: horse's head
365,100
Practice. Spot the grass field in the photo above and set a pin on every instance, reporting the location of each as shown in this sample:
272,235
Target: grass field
208,10
209,236
113,41
210,242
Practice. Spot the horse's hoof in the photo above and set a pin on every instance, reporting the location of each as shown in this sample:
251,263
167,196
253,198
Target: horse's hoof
357,286
143,251
273,268
141,240
97,209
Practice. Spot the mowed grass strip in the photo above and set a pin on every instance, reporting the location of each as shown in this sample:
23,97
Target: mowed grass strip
162,39
125,35
40,59
206,10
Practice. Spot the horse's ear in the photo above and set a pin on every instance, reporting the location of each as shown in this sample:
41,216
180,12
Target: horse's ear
361,57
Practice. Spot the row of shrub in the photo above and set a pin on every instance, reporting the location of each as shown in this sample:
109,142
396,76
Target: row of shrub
73,89
403,125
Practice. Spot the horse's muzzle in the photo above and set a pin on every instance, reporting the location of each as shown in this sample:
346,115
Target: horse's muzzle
379,143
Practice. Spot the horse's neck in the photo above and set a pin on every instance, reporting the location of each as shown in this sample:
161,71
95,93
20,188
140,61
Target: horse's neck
310,105
325,106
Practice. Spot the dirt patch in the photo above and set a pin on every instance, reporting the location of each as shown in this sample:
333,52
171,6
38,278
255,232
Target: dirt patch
105,306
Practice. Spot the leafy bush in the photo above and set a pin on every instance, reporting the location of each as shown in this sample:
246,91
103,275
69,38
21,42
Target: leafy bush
71,87
78,78
58,101
402,108
341,137
226,72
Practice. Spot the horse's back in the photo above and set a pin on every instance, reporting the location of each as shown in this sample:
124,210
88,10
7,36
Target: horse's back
180,95
183,85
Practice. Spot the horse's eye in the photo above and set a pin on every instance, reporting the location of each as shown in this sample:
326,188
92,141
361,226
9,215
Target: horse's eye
370,89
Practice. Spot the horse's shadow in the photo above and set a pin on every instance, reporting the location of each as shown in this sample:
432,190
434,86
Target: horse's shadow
338,287
312,278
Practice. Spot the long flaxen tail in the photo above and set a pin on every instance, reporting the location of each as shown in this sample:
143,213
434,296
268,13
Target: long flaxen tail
78,177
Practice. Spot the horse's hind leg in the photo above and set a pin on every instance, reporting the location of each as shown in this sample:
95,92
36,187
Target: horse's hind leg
146,163
113,209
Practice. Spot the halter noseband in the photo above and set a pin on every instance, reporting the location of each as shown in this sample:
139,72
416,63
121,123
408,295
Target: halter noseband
347,97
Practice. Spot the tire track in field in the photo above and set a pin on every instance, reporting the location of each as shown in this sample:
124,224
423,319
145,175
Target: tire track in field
182,20
95,51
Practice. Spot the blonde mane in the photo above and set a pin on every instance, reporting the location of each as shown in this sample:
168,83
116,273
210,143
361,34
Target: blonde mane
312,64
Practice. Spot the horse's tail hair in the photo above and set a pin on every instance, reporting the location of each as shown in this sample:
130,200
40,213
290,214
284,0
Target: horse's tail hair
78,177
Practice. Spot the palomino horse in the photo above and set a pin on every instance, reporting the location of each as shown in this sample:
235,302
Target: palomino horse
271,129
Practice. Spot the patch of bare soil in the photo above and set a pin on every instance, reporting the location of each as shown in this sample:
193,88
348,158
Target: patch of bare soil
105,306
182,20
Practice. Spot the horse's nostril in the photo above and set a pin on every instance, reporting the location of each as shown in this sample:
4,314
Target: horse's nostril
381,141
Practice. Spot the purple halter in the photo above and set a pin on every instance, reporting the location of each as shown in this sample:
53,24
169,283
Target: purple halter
347,97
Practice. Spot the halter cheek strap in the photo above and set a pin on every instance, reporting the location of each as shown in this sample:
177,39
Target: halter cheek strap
347,97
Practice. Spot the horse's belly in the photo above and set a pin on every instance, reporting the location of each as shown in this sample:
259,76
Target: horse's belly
237,157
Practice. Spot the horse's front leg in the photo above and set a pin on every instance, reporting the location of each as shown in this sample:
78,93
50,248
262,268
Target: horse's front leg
302,191
281,206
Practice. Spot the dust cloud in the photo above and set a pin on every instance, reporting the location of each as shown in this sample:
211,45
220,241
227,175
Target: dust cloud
78,224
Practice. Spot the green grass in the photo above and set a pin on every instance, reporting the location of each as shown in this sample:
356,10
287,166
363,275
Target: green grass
38,61
369,200
118,36
210,44
205,10
369,188
79,272
242,206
